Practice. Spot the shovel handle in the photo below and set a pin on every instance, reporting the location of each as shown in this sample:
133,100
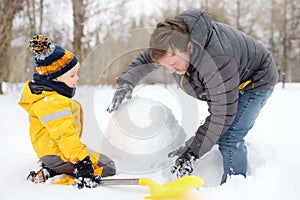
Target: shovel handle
128,181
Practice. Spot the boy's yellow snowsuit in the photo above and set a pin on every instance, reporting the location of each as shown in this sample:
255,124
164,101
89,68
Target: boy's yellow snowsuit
56,124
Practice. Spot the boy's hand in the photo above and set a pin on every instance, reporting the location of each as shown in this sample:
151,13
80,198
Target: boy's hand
84,174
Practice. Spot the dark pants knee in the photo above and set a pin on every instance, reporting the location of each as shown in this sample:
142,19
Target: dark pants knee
109,168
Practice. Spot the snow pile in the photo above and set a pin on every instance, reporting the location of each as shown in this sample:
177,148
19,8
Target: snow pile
142,131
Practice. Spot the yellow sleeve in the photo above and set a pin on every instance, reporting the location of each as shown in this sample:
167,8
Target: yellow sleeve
55,113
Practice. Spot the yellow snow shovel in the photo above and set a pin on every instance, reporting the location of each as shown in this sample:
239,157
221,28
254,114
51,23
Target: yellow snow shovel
157,191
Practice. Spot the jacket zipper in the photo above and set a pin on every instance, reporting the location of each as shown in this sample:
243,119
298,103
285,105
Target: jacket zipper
181,80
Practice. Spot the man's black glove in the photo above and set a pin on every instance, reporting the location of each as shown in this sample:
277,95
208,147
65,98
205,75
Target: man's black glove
184,164
84,174
123,90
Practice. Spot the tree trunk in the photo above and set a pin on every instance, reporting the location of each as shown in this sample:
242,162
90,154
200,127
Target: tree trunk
271,41
1,90
238,15
6,16
41,16
284,44
79,9
31,16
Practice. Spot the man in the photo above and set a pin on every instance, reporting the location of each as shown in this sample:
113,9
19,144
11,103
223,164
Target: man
215,63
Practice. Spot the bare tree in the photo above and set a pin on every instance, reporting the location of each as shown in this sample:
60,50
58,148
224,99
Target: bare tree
294,39
238,14
272,27
79,9
8,9
31,14
284,43
275,22
41,15
289,39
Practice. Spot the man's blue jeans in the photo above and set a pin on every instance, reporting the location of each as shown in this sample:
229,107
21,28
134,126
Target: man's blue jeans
231,144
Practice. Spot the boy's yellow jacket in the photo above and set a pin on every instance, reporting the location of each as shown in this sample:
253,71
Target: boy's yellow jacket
55,124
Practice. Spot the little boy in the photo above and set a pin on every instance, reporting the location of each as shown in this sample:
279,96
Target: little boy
56,119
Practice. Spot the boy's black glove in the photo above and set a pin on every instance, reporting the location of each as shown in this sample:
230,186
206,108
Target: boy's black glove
184,164
123,90
84,174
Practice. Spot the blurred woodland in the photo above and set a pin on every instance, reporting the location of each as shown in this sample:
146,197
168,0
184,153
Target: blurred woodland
99,32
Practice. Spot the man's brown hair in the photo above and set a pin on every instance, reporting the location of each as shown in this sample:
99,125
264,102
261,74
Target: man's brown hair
171,34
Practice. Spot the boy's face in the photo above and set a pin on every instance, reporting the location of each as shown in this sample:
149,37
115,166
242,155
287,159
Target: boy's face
71,77
177,61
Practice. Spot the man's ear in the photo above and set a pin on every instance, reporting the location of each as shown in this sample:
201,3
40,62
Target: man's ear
190,47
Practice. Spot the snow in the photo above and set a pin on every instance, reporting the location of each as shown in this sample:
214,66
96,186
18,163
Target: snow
273,147
142,131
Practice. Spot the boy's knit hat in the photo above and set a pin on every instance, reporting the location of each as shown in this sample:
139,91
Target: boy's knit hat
50,60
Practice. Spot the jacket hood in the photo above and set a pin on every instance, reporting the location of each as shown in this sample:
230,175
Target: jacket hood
200,25
200,31
28,98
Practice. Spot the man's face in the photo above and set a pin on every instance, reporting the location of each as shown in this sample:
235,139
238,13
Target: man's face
176,61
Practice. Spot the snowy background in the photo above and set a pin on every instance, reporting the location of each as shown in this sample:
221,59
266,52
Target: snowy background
274,161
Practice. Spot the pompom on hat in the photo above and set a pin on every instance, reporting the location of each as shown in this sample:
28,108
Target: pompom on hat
51,60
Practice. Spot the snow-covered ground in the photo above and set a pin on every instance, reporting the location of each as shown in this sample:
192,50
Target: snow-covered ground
274,161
